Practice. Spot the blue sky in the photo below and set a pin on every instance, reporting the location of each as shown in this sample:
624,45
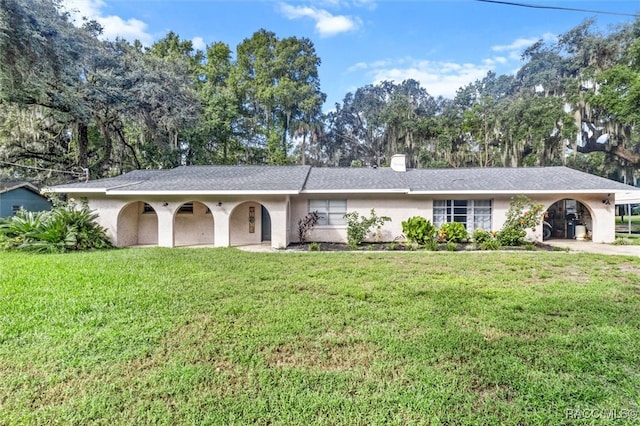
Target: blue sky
444,44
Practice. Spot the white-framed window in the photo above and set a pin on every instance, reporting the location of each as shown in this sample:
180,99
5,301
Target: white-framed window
473,214
330,212
15,209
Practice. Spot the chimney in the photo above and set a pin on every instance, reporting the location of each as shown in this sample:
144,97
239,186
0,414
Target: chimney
398,163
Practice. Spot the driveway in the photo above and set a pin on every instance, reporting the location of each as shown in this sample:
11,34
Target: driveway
591,247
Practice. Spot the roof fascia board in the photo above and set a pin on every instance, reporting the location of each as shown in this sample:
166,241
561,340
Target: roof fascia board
355,191
93,190
179,192
77,190
505,192
26,185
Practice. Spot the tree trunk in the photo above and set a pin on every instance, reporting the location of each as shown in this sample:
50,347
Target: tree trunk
83,144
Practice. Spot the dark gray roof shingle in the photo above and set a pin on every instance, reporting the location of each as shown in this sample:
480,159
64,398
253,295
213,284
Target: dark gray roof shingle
294,179
204,178
226,178
548,179
363,179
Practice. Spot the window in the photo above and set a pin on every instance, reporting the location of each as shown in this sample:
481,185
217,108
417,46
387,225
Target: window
473,214
16,209
147,209
330,212
186,208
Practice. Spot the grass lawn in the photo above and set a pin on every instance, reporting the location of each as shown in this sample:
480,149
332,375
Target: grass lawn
220,336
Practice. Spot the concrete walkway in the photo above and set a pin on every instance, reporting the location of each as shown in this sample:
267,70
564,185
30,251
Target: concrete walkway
591,247
572,245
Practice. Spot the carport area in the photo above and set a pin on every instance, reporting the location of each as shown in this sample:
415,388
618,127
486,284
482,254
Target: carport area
624,202
568,219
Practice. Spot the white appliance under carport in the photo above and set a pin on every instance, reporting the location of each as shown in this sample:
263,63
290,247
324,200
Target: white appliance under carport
628,198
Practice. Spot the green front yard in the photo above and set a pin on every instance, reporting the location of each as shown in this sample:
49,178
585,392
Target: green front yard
221,336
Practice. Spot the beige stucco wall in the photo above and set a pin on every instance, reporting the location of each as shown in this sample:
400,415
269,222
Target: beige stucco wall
147,228
193,228
239,226
401,207
227,224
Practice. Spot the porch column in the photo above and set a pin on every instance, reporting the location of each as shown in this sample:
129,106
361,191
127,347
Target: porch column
165,227
604,224
279,225
221,227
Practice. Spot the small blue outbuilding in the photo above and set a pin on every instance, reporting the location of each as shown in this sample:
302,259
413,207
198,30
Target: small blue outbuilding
17,195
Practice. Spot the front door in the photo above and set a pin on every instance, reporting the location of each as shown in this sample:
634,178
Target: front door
266,225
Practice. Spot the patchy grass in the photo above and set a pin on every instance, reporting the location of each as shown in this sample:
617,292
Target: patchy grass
220,336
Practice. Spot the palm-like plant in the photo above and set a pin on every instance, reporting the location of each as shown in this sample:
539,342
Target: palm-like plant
67,227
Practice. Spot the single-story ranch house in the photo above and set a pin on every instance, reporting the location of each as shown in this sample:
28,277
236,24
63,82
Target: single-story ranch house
240,205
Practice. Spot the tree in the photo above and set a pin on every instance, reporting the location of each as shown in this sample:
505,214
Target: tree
279,85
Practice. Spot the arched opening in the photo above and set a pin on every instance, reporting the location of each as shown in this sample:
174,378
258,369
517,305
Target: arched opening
568,219
249,223
193,225
137,225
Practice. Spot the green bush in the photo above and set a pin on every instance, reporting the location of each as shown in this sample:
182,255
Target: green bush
419,230
454,232
431,245
511,236
491,244
481,235
67,227
451,246
358,227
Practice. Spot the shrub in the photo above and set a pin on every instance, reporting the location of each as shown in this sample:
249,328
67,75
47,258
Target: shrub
491,244
451,246
66,227
481,235
358,227
621,241
454,232
305,225
522,214
419,230
511,236
431,245
314,247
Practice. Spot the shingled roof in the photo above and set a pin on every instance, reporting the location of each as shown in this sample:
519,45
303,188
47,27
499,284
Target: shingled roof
300,179
10,185
509,180
200,179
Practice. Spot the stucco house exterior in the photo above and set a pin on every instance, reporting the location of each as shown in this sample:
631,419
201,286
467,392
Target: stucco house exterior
240,205
20,195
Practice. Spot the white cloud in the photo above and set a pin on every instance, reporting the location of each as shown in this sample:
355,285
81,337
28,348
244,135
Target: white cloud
199,43
327,25
113,26
521,44
444,78
439,78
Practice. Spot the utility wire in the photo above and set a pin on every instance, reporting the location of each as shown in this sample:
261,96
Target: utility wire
537,6
84,173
